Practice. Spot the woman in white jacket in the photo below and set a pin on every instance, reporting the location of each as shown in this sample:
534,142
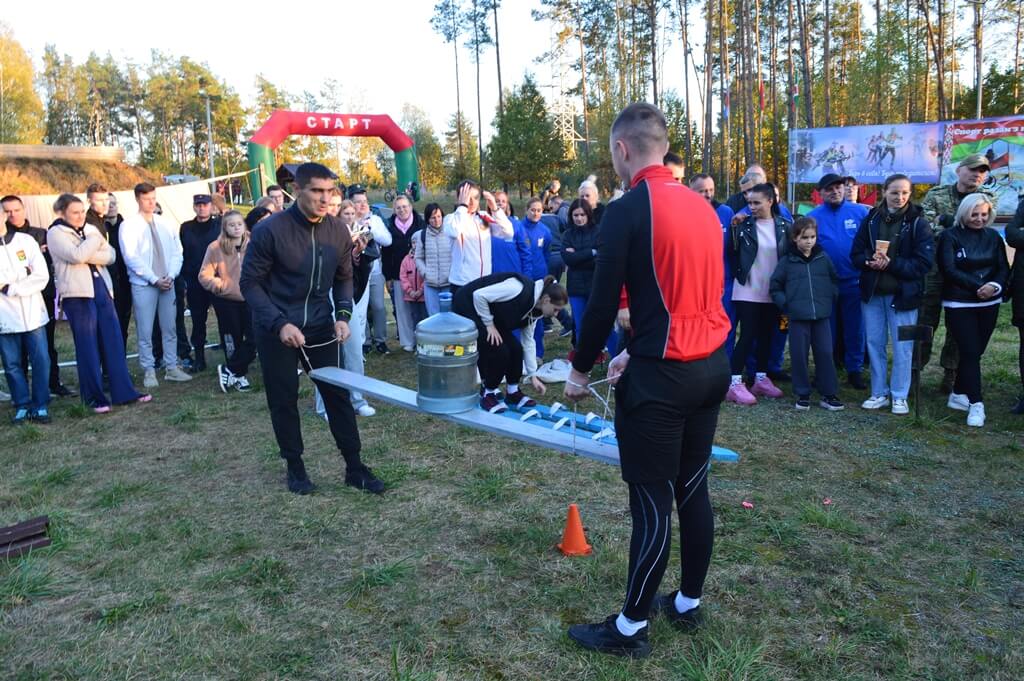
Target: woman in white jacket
470,233
23,318
80,259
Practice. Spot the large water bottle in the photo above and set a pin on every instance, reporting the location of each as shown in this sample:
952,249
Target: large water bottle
446,355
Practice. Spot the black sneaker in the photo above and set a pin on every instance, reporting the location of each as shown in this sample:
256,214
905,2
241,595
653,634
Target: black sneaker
605,637
565,332
832,403
61,390
856,381
665,606
363,478
803,403
298,481
40,415
382,348
225,378
493,404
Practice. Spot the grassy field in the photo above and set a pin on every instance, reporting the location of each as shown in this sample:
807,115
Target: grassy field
178,553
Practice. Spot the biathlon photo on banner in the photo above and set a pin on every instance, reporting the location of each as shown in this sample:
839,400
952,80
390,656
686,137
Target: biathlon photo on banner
555,340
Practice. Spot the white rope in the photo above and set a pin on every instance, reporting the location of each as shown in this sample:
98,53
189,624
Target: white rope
304,347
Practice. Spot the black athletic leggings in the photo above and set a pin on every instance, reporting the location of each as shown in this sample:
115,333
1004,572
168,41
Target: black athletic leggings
497,362
754,321
651,507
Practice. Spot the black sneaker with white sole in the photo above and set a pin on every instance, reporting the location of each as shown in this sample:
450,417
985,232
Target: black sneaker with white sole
242,384
522,401
664,605
225,378
364,479
832,403
803,403
605,637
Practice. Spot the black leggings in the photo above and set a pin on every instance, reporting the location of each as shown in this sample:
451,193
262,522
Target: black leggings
754,321
971,328
499,361
650,504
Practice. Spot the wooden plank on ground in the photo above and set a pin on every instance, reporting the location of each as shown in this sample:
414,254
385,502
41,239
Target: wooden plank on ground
17,548
26,528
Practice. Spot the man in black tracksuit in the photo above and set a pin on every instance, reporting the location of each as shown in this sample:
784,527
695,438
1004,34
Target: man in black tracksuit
196,236
296,261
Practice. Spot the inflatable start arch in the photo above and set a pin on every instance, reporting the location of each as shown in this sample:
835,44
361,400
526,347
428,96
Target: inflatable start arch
282,124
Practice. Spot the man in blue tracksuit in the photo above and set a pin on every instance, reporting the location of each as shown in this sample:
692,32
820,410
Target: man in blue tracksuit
838,221
705,186
538,236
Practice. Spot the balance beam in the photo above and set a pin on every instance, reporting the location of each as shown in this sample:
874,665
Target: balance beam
529,432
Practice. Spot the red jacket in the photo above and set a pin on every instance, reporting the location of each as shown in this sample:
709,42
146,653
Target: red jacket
664,243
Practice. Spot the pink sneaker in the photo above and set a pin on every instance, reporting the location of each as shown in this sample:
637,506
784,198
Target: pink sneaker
765,388
739,394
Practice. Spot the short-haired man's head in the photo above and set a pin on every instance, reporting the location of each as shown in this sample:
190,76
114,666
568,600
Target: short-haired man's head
643,128
144,188
800,225
11,198
673,159
307,172
95,188
274,188
63,201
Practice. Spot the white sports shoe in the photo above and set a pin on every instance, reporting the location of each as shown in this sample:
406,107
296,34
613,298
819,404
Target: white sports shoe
976,414
958,402
875,402
176,373
150,379
366,410
900,406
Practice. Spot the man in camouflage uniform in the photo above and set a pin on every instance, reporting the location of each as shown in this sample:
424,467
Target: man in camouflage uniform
939,206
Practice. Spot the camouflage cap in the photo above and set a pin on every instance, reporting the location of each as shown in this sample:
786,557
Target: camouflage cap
974,161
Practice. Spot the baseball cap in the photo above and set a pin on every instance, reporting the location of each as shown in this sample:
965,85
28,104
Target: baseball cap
828,180
201,198
974,161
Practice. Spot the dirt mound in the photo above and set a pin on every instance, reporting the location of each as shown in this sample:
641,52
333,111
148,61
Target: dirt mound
32,176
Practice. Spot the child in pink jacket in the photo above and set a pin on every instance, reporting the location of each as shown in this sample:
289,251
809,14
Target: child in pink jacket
412,288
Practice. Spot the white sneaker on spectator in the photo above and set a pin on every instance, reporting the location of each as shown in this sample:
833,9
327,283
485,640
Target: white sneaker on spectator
176,373
242,384
976,414
366,410
150,379
875,402
958,402
900,406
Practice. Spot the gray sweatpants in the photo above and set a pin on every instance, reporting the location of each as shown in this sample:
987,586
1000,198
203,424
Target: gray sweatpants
148,302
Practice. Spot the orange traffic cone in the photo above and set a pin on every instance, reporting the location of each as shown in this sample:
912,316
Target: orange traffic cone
574,542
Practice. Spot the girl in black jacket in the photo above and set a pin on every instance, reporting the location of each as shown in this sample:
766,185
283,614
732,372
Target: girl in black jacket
972,262
579,252
1015,238
805,287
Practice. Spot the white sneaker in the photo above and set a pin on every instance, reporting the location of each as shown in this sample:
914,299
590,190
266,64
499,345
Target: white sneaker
958,402
150,379
366,410
875,402
900,406
242,384
976,414
408,348
175,373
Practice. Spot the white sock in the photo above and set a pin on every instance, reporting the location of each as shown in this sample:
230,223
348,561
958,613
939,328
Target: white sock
488,391
760,376
628,627
737,379
683,603
513,388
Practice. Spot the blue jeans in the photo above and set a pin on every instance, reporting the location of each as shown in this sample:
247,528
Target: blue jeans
848,308
38,353
881,321
730,310
579,307
431,296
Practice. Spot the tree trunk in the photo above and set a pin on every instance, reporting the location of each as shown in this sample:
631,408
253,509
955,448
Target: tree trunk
807,56
773,65
652,11
706,164
758,139
827,66
979,74
1017,104
497,58
479,111
684,15
458,91
880,22
723,55
791,71
583,89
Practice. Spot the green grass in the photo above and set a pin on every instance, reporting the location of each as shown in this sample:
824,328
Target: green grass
178,553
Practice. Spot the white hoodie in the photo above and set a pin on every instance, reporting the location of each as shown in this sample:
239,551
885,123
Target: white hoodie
471,243
23,271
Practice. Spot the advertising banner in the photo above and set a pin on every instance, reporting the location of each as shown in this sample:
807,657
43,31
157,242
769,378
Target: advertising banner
870,153
1001,140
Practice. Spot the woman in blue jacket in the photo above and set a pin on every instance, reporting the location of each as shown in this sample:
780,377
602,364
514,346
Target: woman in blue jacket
538,236
893,250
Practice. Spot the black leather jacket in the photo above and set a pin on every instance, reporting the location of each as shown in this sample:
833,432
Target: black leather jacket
969,259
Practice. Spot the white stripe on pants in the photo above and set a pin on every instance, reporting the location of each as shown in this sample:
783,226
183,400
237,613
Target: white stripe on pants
148,302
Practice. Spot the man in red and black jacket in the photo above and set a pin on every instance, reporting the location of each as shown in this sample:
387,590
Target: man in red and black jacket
662,242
